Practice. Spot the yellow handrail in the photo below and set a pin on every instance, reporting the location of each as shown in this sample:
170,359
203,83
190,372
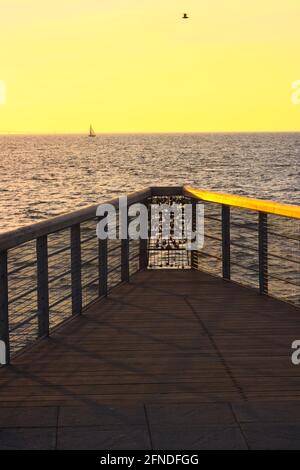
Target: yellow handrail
270,207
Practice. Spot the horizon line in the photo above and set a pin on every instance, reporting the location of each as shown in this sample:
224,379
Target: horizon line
30,133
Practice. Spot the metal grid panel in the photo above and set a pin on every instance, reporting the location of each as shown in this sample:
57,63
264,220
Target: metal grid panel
22,294
168,253
134,256
89,262
244,256
209,259
284,258
60,285
114,263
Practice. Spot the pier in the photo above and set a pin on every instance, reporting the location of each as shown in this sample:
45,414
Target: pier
143,344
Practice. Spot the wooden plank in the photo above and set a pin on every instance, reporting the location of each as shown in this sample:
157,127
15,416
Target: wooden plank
166,336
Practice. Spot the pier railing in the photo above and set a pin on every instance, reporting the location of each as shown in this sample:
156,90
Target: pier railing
53,270
253,242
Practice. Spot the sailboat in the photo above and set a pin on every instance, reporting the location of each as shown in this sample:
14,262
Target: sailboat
92,132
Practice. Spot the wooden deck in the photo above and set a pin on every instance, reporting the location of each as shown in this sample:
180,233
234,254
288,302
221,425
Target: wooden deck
175,359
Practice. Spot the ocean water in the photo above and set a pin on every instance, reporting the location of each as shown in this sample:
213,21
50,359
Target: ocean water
45,176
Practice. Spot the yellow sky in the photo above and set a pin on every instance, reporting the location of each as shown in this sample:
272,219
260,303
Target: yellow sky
135,66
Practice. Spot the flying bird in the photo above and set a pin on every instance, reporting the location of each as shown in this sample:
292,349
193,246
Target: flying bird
185,16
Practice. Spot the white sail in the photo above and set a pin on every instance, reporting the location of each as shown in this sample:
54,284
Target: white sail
92,132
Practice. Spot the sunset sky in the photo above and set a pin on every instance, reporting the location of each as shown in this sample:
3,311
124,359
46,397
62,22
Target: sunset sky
136,66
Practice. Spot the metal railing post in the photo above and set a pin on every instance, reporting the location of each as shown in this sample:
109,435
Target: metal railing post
143,246
226,241
42,285
4,321
143,260
76,270
125,260
125,256
194,253
102,247
263,252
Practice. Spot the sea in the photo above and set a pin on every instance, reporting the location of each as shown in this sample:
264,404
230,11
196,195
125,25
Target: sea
42,176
